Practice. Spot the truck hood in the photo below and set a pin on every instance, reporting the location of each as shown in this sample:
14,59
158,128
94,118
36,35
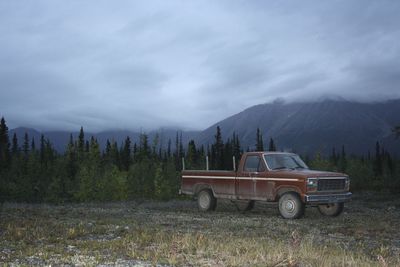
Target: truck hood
311,173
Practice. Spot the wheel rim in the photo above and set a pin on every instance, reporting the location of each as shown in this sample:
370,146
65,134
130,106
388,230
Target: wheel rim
204,200
290,206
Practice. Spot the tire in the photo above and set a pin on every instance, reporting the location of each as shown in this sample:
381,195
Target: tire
244,205
206,200
331,210
291,206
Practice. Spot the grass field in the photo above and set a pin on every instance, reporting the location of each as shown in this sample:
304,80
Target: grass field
176,234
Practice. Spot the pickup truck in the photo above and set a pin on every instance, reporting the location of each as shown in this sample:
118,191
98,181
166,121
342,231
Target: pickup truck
270,176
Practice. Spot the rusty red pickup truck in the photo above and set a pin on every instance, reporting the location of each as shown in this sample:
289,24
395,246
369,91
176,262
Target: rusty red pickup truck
270,176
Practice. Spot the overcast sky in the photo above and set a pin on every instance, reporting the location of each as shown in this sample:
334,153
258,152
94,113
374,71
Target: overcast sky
150,64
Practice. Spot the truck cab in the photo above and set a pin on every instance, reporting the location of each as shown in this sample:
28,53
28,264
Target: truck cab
270,176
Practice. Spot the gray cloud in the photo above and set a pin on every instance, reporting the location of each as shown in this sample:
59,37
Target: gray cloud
146,65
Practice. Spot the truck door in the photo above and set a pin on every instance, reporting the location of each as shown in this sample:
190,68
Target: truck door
246,181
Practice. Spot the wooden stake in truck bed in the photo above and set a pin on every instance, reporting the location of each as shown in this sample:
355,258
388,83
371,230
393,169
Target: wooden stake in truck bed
270,176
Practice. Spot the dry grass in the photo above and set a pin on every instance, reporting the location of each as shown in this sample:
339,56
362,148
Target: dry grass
175,233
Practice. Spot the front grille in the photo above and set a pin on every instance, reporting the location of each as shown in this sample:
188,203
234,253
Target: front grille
331,184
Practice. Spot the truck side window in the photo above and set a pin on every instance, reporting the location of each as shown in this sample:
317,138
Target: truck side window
253,164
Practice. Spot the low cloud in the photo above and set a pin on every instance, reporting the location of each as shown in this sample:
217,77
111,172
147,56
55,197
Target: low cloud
132,65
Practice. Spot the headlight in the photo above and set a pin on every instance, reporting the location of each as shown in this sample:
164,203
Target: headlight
347,184
312,184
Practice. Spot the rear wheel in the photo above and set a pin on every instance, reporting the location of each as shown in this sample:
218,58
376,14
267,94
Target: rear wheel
291,206
244,205
206,200
331,210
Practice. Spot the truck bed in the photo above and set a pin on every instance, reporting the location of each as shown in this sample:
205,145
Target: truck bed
222,182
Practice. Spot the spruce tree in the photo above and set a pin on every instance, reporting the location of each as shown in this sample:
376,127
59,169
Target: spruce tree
134,152
25,147
33,146
271,146
42,150
115,157
378,160
334,157
228,155
47,156
191,155
126,159
81,143
72,184
177,156
5,156
144,149
108,147
201,157
87,147
15,147
343,160
259,141
169,148
107,153
156,142
217,150
181,150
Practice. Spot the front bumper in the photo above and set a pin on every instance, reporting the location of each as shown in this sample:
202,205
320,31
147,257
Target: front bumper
325,199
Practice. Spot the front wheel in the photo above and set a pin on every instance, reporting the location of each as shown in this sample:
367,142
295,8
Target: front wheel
291,206
331,210
206,200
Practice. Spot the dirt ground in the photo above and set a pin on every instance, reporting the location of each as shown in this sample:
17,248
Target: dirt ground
175,233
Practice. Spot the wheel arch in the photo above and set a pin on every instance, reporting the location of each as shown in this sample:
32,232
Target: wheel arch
288,189
199,187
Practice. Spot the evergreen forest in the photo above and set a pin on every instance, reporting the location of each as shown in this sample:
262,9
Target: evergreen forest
33,171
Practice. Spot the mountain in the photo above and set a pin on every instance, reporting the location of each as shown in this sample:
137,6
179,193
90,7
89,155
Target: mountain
60,139
315,126
300,127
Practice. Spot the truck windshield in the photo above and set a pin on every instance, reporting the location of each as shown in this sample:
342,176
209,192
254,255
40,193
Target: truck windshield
284,161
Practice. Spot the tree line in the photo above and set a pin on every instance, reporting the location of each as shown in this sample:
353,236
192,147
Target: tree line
35,172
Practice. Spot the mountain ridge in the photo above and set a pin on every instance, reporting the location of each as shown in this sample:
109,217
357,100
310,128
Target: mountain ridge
309,127
304,127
